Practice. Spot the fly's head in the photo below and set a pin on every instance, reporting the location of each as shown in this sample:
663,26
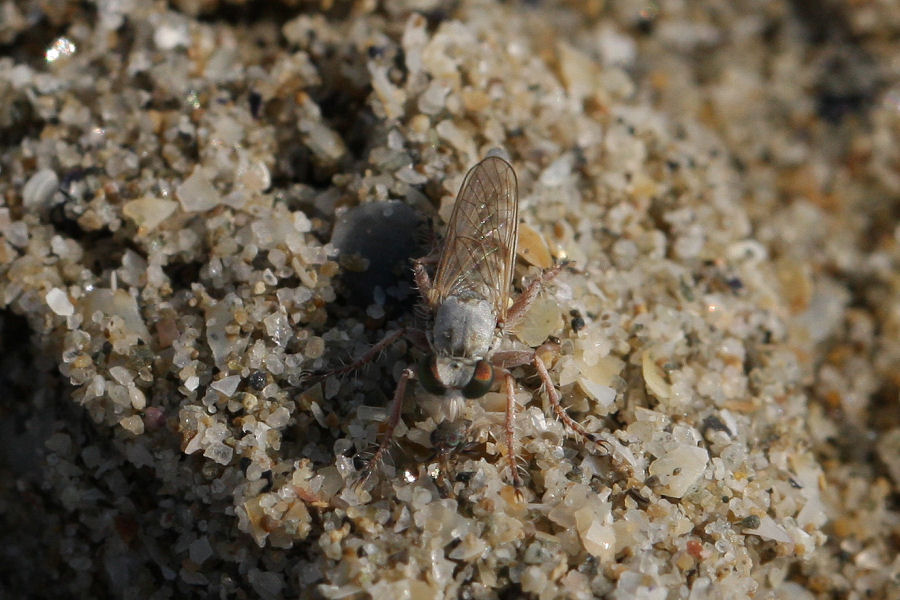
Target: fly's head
439,374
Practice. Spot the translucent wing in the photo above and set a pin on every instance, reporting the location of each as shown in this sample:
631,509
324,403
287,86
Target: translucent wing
480,249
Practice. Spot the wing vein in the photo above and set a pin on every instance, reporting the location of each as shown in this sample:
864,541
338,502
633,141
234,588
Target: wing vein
479,250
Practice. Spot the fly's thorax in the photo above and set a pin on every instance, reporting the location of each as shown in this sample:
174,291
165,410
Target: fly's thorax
464,327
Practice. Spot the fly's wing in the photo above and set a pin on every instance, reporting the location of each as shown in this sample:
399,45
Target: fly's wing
480,249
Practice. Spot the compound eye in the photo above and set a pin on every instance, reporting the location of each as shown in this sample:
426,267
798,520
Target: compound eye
428,375
481,382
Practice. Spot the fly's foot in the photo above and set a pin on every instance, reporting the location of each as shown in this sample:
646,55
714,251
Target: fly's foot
604,446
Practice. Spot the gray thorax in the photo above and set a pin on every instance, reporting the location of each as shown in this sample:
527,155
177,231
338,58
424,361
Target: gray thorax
463,332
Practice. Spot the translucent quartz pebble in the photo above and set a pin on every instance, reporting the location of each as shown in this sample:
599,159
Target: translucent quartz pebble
197,194
119,303
148,212
533,248
770,530
58,301
39,189
542,320
227,385
679,469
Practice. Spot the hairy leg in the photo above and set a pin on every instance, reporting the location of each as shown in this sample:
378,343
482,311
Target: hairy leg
393,420
423,281
510,359
526,298
569,422
511,432
366,358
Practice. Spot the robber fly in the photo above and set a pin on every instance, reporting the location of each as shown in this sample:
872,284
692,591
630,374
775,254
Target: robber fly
469,300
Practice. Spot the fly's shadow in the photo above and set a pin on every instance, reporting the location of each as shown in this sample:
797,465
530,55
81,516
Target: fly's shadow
376,243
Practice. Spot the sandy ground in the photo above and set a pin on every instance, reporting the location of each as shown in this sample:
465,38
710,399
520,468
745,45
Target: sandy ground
203,203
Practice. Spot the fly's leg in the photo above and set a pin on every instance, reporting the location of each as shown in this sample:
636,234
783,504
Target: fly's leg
366,358
510,359
526,298
393,420
423,281
511,433
515,358
553,395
